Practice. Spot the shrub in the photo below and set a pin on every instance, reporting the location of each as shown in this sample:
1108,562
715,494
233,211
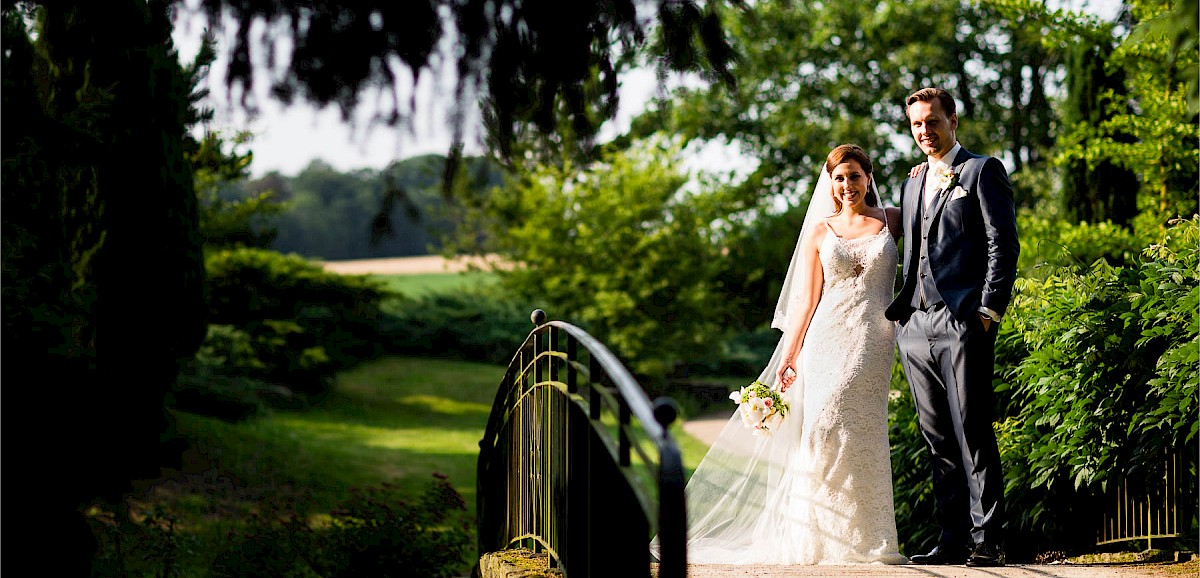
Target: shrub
912,484
1101,381
375,533
227,378
1048,245
284,320
620,245
476,324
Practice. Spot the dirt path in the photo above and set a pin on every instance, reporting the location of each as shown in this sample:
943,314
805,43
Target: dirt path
707,427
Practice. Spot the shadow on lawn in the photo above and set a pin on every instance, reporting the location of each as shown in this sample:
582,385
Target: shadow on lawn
213,519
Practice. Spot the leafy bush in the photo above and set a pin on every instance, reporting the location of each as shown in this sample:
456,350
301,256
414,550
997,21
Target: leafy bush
912,484
620,246
1048,245
375,533
743,353
1101,380
1109,381
476,324
151,545
284,320
227,379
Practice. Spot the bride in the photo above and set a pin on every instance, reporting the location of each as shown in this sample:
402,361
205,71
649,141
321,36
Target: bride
819,489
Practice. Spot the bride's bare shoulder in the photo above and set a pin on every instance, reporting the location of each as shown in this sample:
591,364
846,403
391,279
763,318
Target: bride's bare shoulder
816,236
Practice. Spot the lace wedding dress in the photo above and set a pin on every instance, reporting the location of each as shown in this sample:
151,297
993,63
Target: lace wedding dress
818,490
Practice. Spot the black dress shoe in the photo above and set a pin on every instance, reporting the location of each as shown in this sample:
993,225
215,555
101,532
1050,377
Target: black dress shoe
942,554
984,556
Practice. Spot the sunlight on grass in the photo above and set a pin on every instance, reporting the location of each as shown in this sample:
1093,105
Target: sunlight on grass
395,419
445,406
433,439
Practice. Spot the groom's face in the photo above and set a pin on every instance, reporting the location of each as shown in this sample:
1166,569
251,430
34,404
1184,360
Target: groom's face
932,128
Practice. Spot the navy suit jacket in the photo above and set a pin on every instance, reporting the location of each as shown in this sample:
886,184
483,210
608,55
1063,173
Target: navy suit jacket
973,243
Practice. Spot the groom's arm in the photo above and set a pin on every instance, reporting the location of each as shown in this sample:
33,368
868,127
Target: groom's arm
1000,226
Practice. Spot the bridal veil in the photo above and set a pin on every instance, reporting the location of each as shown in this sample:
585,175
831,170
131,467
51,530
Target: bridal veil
737,497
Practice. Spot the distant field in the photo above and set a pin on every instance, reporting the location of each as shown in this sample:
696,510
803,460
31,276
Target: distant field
417,276
415,265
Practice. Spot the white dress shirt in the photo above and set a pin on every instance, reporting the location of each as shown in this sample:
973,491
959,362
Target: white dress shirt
934,168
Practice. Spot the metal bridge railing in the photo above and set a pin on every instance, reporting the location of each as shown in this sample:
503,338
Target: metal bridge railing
1152,507
576,462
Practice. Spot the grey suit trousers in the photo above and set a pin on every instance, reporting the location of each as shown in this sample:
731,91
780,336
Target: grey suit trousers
949,364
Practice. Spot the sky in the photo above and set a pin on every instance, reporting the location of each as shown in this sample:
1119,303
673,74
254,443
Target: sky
287,139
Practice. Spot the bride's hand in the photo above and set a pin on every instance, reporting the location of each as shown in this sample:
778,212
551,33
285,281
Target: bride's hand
787,376
913,172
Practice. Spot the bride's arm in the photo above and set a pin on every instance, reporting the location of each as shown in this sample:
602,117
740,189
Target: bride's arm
895,221
810,283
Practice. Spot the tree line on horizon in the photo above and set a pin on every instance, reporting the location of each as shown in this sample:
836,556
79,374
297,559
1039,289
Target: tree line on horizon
324,214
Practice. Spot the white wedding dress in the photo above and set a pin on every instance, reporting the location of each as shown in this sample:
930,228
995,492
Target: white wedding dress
818,490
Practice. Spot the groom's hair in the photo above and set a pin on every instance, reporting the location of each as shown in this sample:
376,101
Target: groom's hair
929,94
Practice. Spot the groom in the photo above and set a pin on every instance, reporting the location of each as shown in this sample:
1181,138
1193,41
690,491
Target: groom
960,261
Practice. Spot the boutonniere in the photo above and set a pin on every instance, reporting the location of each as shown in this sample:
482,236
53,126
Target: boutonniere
947,178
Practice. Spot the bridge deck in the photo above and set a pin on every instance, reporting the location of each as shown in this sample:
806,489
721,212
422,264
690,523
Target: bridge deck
914,571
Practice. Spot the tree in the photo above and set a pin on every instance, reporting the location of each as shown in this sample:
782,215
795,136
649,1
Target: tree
619,247
231,220
814,75
103,274
1157,113
532,63
1096,191
98,183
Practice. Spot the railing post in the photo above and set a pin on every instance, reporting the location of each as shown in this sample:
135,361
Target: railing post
595,382
572,357
623,432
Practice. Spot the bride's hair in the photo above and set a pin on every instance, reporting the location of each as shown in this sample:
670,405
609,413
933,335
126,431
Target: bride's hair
852,152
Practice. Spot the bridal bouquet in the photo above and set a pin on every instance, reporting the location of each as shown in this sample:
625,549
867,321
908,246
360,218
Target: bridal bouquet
762,408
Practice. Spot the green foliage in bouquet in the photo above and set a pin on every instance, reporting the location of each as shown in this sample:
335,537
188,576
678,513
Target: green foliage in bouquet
760,407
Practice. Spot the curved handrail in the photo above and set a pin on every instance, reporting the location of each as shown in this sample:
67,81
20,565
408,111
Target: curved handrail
547,455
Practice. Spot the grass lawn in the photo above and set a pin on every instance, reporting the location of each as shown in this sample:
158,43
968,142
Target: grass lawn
396,420
426,284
